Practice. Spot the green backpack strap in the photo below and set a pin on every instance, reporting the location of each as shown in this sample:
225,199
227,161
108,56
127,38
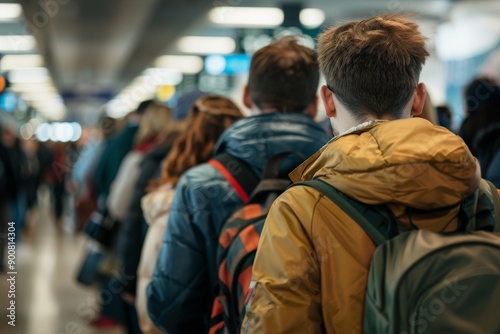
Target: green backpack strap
371,218
495,198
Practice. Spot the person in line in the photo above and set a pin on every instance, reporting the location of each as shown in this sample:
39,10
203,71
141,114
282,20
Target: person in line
132,233
209,117
281,94
311,267
115,150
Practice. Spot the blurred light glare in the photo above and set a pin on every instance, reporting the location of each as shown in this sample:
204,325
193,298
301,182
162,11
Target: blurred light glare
26,131
17,43
247,16
43,132
30,75
311,17
44,87
63,132
215,65
164,76
77,131
10,11
12,62
206,45
118,108
185,64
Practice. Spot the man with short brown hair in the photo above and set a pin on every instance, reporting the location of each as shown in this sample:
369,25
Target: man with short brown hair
310,271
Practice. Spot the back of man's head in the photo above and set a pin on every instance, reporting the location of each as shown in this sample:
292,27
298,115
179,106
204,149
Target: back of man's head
373,66
284,76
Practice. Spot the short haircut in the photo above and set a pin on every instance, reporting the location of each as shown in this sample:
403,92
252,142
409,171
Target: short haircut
284,75
373,66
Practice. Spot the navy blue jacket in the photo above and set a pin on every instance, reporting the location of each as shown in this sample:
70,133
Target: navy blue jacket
493,172
115,149
185,278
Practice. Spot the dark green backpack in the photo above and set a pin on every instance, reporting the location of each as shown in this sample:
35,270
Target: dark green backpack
425,282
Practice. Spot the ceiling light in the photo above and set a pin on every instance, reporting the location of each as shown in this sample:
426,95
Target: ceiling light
10,11
45,87
17,43
164,76
206,45
12,62
185,64
30,75
247,16
311,17
40,96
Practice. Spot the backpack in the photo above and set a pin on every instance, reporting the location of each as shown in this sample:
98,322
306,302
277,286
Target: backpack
425,282
238,241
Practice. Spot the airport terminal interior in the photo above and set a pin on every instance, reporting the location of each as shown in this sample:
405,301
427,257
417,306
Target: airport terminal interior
75,73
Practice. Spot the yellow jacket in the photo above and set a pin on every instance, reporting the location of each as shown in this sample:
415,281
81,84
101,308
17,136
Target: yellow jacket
311,267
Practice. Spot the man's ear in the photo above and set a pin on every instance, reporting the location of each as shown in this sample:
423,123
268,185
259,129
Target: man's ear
328,103
247,98
312,109
418,100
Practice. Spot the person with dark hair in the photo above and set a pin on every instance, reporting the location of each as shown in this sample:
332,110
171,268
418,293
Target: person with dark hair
445,116
480,94
281,92
311,268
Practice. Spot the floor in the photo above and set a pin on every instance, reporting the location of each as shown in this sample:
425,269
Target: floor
48,300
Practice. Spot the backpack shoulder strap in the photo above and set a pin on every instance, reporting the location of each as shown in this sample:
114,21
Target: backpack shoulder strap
370,218
239,175
495,198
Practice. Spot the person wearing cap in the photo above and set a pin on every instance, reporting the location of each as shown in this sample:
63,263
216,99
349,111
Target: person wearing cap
281,95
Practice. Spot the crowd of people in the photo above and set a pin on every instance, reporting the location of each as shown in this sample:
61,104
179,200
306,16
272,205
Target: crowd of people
153,194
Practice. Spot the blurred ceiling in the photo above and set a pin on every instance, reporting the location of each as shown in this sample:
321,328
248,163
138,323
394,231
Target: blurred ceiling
94,48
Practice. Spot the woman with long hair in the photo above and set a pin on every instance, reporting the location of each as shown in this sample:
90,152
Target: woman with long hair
209,117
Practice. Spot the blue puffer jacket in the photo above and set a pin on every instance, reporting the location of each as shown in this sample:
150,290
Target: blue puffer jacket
185,278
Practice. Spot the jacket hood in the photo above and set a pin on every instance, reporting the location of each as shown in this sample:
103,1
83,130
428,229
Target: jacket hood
402,163
255,139
157,203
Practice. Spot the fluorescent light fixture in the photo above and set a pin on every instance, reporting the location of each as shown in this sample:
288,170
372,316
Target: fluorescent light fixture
164,76
46,87
10,11
30,75
311,17
185,64
13,62
247,16
36,97
17,43
206,45
118,107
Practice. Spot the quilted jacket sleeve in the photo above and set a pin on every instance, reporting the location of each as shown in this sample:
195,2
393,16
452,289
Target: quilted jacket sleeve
178,293
286,277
